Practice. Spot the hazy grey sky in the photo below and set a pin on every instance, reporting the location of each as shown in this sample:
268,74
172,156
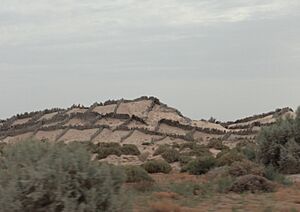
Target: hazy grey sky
226,59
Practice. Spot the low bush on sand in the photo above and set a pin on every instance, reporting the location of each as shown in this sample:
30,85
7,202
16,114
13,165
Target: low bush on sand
171,155
136,174
245,167
252,183
199,165
157,166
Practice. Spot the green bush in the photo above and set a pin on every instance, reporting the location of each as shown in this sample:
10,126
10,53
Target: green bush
227,157
136,174
37,176
279,145
245,167
157,166
171,155
130,149
200,165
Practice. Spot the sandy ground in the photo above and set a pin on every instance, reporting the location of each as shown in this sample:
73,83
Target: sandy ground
20,121
133,124
52,124
159,112
134,108
138,137
17,138
170,140
110,122
108,136
78,135
105,109
75,122
48,116
76,110
164,128
48,135
206,124
204,137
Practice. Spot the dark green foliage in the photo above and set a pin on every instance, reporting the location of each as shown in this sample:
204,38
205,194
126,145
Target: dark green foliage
171,155
136,174
245,167
200,165
227,157
157,166
130,149
216,144
252,183
38,176
279,145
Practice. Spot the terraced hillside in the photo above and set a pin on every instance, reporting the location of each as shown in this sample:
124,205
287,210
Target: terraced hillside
145,122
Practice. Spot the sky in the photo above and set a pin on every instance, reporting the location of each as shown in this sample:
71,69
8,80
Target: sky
226,59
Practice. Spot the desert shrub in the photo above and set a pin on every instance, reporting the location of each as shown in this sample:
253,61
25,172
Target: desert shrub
104,152
171,155
195,149
223,184
216,144
279,145
130,149
183,159
227,157
252,183
200,165
109,145
185,188
2,145
161,149
136,174
157,166
143,156
245,167
37,176
272,174
249,151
